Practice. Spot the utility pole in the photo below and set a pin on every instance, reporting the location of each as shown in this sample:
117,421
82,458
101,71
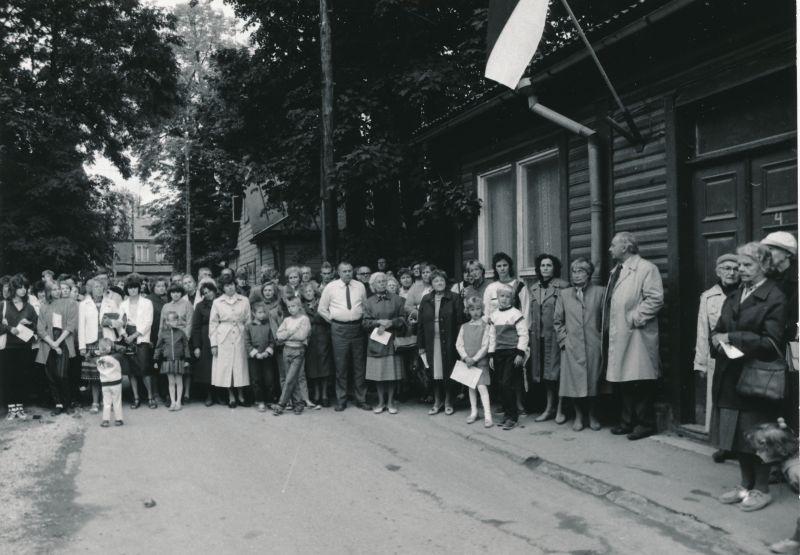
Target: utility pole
188,206
133,234
328,211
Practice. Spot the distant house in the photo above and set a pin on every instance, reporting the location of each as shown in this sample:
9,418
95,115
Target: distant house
148,259
264,238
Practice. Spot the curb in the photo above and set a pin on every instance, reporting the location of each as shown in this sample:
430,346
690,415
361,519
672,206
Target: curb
682,527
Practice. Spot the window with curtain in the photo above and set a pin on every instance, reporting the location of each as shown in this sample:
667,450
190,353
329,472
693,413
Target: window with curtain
501,208
521,212
542,192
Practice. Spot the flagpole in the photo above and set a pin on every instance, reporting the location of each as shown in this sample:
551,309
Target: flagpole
634,130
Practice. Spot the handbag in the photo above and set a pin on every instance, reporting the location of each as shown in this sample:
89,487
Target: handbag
405,344
4,337
765,380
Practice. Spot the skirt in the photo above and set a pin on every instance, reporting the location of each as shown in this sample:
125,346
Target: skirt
485,378
89,371
729,428
437,364
141,362
175,367
384,369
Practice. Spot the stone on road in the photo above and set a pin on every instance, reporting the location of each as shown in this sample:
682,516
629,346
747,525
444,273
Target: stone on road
241,481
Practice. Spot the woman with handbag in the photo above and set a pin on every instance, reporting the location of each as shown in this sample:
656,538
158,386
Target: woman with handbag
743,391
385,312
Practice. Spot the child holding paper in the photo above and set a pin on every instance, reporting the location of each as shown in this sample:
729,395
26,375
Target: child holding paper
472,345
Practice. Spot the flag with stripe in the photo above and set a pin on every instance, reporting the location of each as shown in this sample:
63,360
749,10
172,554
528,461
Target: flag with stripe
514,30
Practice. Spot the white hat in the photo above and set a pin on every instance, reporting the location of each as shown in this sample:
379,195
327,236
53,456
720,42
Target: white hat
782,240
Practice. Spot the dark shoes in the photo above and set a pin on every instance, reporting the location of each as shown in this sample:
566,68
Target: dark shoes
509,424
621,430
640,433
340,406
325,403
721,455
118,422
277,409
364,406
57,411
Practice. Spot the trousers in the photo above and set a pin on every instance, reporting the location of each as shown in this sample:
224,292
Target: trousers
349,351
295,367
57,372
112,398
637,404
262,377
510,380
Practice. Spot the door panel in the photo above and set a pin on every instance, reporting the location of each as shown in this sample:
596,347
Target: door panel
774,190
718,197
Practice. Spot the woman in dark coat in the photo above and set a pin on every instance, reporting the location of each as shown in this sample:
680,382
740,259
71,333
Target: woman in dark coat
752,320
17,358
441,313
319,354
545,351
201,345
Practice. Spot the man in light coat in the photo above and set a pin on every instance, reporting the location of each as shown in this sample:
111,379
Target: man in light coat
633,297
711,301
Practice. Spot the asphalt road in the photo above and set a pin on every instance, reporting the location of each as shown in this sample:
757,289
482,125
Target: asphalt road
227,481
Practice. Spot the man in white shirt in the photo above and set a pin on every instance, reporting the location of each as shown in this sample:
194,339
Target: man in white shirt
342,304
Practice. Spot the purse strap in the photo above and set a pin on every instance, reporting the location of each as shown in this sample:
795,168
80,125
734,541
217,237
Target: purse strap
775,346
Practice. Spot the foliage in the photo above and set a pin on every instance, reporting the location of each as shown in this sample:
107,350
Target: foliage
446,201
76,78
194,131
397,64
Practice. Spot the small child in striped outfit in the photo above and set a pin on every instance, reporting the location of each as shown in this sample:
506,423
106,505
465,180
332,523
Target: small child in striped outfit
508,346
110,382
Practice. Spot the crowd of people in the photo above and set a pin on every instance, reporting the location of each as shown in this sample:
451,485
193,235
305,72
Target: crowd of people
307,342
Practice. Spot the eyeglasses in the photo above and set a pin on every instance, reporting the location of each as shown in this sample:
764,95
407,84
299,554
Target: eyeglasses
363,273
731,269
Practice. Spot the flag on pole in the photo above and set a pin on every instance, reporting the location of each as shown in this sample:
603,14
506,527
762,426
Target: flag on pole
515,28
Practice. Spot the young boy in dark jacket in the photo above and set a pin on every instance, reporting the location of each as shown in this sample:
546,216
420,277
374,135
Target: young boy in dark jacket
260,346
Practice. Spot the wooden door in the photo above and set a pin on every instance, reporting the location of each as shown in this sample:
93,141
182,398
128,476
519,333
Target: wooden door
733,202
720,216
773,184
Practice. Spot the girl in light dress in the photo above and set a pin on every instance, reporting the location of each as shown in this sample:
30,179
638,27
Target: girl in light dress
472,345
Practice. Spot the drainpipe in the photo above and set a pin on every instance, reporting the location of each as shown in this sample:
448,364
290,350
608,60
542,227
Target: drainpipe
595,177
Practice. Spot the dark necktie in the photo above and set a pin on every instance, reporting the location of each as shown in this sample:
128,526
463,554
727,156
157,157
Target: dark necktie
347,294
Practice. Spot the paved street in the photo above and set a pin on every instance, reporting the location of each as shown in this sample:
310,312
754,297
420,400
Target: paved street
239,481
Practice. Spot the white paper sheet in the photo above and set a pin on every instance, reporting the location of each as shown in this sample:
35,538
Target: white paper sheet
57,321
24,333
730,351
467,375
382,338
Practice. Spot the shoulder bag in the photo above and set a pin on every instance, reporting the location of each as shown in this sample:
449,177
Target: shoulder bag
762,379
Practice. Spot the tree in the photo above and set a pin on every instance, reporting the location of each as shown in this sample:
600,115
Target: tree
183,149
397,64
76,78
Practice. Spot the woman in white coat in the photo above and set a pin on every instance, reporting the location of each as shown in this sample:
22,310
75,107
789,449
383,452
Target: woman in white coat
229,314
136,313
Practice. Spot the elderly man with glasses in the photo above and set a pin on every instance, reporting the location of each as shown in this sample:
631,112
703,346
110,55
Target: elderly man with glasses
711,302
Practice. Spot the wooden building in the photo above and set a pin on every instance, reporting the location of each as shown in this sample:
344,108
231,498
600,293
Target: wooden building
265,240
712,87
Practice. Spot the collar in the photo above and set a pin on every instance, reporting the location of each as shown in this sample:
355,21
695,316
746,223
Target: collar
504,309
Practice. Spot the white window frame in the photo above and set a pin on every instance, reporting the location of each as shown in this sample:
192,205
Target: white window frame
521,196
483,220
522,203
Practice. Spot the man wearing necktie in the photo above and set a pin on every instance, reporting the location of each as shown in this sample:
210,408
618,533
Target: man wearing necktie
342,304
632,300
